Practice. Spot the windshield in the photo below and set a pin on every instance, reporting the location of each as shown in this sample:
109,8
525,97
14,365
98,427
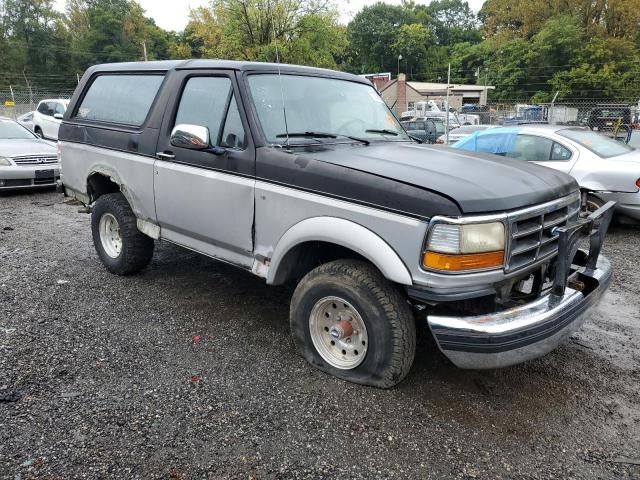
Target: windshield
602,146
322,105
10,130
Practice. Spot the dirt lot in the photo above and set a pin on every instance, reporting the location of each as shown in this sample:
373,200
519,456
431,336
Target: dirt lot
187,371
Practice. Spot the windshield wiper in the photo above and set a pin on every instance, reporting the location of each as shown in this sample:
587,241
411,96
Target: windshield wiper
383,131
322,135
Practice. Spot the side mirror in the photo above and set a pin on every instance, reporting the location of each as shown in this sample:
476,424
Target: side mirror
59,116
193,137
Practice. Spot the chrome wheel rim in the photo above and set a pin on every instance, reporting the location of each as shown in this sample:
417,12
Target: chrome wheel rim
338,333
110,237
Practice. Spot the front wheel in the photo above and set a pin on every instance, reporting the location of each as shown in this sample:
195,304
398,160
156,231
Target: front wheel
122,248
593,203
348,320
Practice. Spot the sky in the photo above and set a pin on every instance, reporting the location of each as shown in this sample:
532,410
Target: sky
173,14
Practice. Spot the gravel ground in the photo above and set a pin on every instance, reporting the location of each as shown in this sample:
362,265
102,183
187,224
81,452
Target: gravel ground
187,371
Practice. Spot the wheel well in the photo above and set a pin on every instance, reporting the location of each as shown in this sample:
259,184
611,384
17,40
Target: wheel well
99,184
306,256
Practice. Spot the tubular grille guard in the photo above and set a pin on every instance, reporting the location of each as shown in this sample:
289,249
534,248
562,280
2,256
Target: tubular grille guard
534,232
595,228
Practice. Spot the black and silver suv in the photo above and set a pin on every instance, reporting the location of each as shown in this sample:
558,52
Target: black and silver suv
303,175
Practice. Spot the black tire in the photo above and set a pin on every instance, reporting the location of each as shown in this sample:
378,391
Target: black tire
137,248
386,314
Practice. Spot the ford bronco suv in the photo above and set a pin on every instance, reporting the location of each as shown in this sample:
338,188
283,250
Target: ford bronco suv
303,175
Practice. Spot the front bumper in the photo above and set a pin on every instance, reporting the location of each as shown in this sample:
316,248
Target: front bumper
29,176
534,329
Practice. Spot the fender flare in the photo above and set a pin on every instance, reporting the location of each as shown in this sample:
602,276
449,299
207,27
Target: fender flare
347,234
109,172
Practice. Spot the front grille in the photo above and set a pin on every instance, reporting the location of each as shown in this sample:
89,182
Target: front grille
533,237
35,159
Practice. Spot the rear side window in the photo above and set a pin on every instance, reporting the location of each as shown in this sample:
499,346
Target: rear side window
124,99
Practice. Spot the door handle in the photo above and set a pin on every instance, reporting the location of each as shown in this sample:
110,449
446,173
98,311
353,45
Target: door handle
165,155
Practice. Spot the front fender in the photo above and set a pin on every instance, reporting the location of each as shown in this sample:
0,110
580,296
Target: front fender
347,234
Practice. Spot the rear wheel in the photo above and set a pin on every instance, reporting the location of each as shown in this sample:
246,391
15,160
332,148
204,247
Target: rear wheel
349,321
122,248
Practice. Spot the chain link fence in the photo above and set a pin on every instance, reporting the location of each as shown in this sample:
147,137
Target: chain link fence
16,101
584,112
616,118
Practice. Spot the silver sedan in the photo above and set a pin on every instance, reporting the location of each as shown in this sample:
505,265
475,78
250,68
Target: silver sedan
26,161
605,168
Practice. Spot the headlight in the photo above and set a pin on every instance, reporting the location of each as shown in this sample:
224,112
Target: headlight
4,162
458,248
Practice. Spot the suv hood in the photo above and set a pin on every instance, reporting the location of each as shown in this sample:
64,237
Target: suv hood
16,147
477,182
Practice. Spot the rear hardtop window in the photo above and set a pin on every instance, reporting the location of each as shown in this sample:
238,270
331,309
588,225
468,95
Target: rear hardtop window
602,146
120,98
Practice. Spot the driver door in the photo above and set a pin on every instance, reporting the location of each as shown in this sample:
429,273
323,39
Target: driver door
205,194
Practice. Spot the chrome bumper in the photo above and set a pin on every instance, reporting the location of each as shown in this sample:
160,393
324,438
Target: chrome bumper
532,330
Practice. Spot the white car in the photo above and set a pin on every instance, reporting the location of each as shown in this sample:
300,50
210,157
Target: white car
26,161
606,169
26,120
48,116
461,132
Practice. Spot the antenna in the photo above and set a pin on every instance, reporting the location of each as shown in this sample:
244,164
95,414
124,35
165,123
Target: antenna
275,41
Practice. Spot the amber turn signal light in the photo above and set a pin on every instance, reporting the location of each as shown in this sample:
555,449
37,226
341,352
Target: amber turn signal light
460,263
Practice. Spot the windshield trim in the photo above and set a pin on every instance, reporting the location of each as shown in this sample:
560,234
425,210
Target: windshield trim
246,90
559,132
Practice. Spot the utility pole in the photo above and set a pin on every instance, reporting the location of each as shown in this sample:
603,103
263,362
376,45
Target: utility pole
144,49
13,100
31,105
447,105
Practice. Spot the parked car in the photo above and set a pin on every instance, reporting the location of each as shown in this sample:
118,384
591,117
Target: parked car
26,161
461,132
48,116
304,175
26,120
426,130
606,119
604,168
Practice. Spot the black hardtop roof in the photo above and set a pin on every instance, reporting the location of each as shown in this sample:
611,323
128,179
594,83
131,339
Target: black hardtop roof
201,64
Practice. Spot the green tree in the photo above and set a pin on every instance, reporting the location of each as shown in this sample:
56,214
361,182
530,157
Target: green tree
453,22
305,31
412,42
372,31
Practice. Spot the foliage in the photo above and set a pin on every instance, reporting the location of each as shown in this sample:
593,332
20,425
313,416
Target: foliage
305,32
529,49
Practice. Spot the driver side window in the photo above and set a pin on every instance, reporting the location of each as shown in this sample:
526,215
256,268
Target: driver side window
204,103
